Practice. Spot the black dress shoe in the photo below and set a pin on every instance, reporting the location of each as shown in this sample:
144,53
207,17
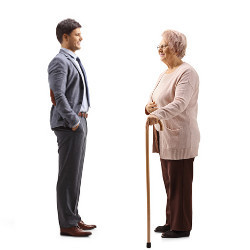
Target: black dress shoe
162,229
175,234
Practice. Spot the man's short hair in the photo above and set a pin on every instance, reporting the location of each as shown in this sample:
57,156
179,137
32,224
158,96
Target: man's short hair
66,27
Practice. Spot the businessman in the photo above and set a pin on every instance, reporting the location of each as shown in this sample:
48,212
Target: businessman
68,119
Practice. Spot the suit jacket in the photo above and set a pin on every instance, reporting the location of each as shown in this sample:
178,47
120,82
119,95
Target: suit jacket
67,85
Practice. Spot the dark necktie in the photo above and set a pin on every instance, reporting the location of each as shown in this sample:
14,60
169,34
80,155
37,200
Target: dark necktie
85,79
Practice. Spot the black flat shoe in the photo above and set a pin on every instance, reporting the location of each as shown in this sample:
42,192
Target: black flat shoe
175,234
162,229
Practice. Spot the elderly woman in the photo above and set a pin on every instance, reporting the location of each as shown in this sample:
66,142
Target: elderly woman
174,102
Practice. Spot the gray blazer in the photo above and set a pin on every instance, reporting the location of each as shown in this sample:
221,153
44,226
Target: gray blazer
67,85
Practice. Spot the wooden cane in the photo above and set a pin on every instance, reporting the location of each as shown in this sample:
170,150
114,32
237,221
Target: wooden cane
148,181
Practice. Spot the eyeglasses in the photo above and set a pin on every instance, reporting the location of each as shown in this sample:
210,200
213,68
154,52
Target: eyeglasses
162,46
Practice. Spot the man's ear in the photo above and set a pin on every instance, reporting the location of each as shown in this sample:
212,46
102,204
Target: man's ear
65,37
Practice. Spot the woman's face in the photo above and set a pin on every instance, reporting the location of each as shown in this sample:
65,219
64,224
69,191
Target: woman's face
164,50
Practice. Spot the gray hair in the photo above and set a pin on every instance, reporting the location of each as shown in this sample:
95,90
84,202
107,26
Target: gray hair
177,42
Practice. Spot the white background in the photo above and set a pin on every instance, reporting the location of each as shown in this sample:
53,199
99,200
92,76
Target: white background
120,56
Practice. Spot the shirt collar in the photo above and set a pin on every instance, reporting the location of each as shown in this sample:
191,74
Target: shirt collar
71,53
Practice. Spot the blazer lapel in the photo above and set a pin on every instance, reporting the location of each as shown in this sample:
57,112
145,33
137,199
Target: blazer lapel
74,63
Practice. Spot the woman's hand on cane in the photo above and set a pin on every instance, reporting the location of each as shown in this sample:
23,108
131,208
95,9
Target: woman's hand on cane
152,119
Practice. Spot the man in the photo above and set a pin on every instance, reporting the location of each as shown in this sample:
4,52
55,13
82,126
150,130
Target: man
70,98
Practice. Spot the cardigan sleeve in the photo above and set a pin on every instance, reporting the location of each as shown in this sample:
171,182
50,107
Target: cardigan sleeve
150,97
183,94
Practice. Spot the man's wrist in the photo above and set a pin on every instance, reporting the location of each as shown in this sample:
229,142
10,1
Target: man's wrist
76,124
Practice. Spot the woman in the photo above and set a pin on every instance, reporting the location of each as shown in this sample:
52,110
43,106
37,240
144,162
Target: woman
174,102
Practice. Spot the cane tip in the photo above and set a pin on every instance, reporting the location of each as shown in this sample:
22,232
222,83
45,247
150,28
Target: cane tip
149,245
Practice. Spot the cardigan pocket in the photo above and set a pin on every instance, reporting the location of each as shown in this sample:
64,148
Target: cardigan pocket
172,137
172,125
176,130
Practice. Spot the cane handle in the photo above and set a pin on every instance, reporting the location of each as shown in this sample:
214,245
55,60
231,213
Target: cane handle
161,125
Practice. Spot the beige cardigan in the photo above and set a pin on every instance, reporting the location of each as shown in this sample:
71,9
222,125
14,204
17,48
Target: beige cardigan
176,96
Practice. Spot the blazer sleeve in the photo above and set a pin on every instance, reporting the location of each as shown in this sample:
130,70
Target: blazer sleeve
183,93
58,71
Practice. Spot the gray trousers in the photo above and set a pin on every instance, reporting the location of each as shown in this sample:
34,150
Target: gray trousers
71,150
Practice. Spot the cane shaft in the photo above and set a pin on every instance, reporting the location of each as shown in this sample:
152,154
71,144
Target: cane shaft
148,180
148,183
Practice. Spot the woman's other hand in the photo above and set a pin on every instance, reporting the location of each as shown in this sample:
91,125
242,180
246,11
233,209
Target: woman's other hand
151,107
